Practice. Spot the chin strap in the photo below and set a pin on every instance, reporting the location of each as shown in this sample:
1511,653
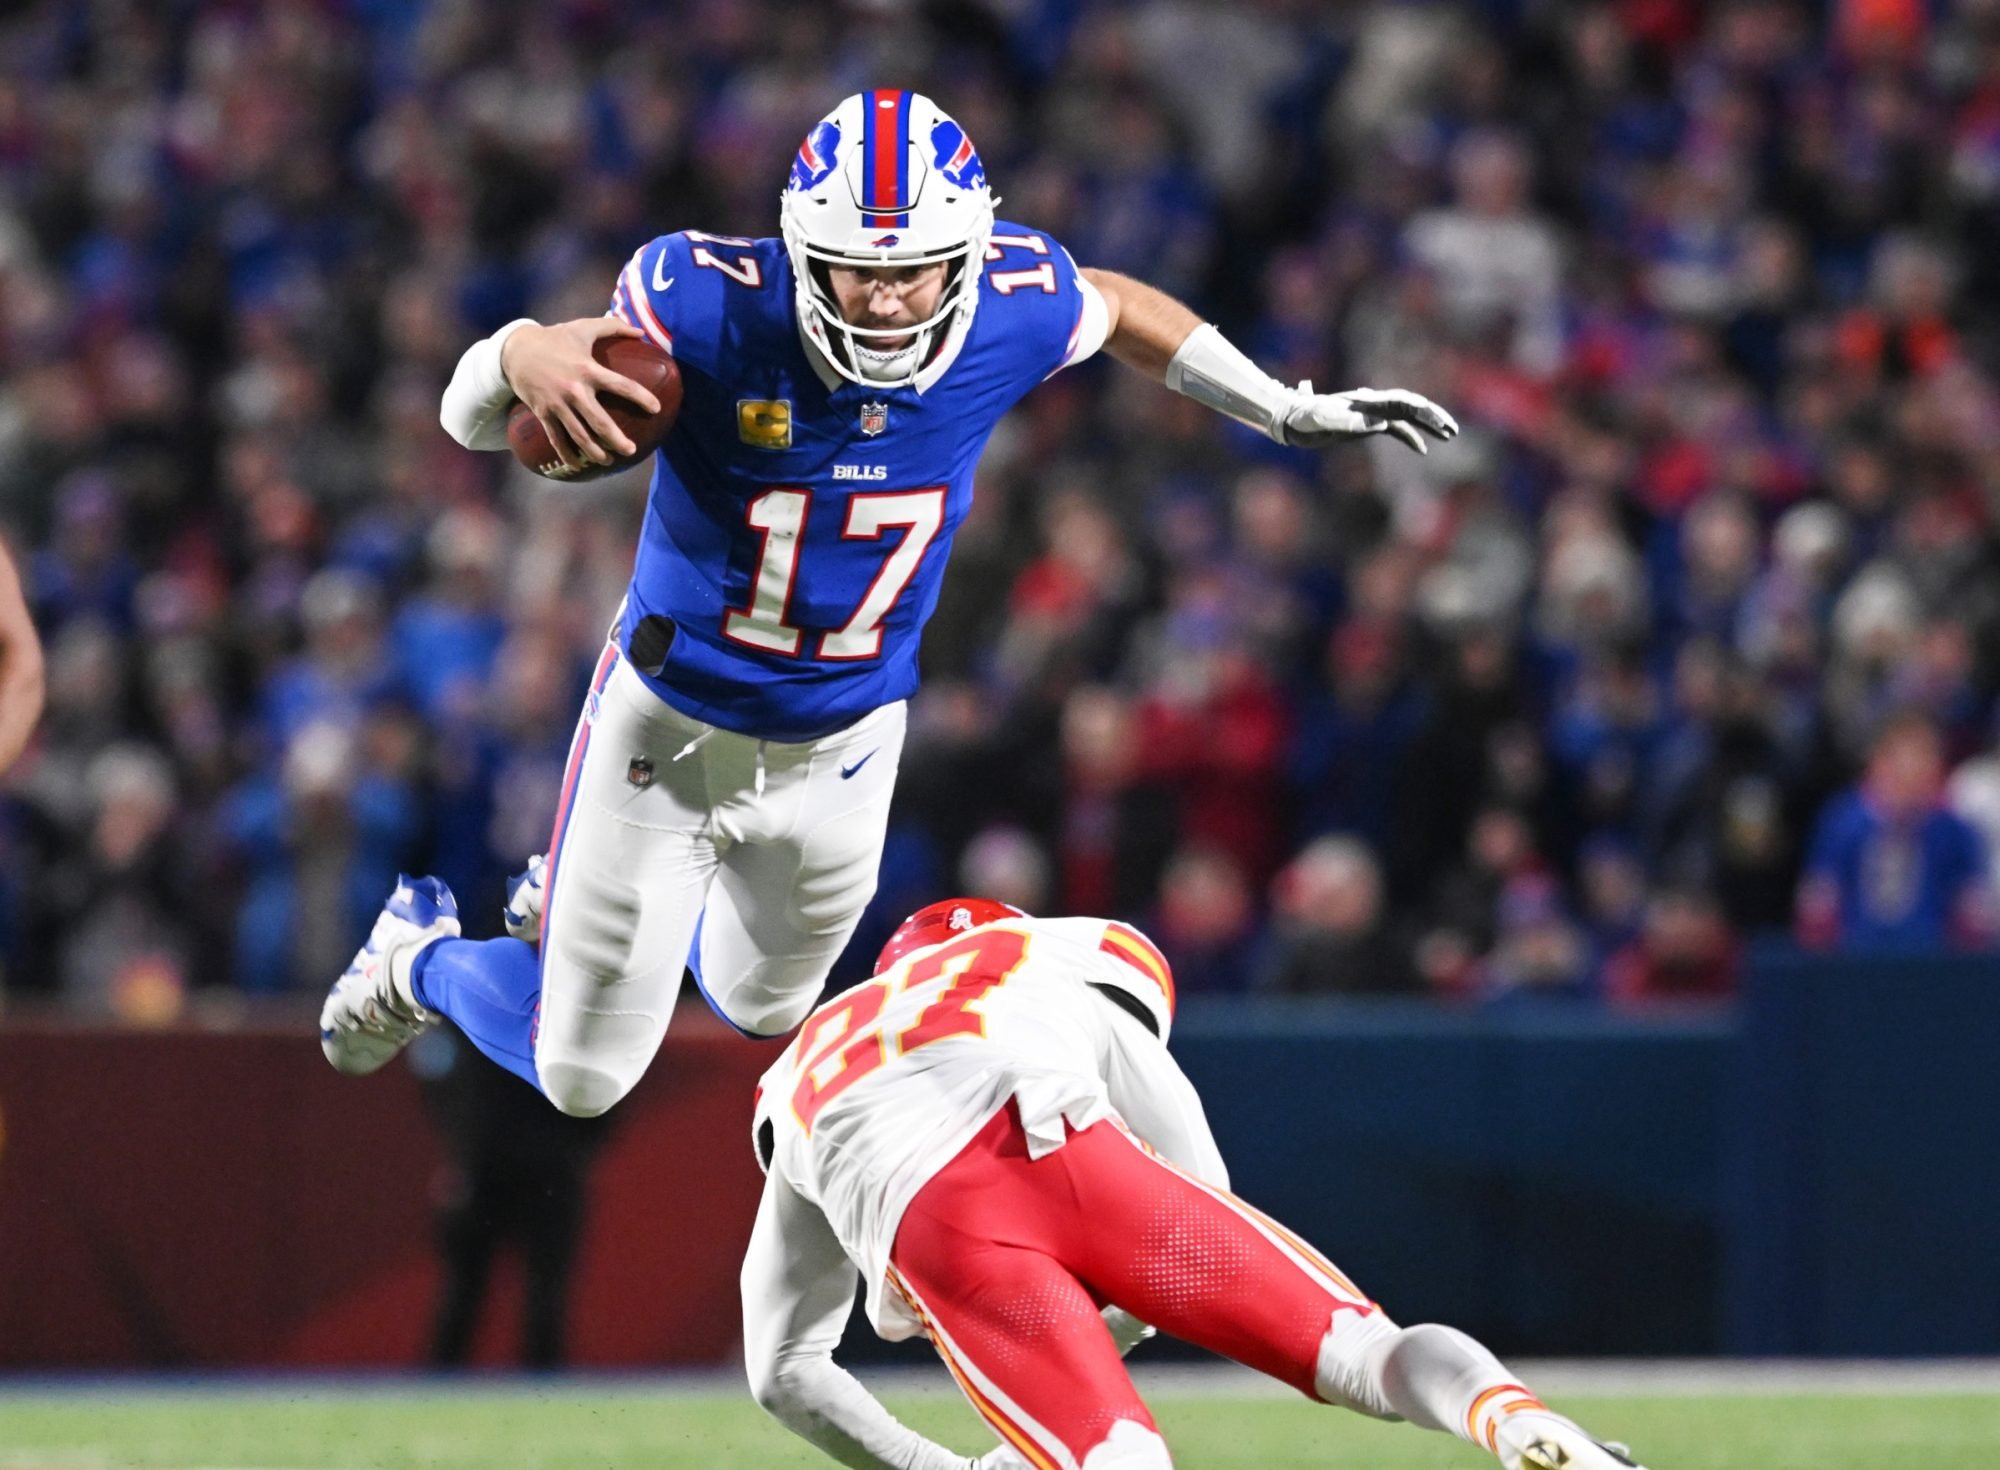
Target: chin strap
889,368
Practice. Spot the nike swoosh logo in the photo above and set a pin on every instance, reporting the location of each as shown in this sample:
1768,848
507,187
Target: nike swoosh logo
661,280
847,772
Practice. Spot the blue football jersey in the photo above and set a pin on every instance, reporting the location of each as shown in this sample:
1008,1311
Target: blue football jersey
797,530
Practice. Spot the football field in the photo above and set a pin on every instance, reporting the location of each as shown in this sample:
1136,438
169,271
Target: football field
1216,1422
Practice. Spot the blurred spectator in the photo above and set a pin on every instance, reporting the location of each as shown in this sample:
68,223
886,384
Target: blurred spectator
1207,921
1008,865
1613,882
1117,828
1330,929
516,1173
1538,950
1892,867
1499,262
1710,288
116,897
1684,951
1349,749
1499,854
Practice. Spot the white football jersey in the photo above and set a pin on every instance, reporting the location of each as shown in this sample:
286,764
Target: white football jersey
886,1083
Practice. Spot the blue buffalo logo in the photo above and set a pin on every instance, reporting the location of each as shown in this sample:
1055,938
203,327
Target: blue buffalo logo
816,156
955,156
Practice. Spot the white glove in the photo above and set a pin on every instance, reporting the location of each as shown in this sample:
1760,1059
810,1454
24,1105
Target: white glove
523,914
1315,420
1006,1457
1208,369
1126,1330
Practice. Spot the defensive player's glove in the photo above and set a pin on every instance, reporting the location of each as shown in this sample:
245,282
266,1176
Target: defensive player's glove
523,914
1318,419
1126,1330
1006,1457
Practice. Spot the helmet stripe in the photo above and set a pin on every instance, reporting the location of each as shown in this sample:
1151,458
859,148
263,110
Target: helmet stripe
885,132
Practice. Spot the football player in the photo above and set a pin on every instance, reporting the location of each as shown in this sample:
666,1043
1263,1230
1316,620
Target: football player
728,787
992,1134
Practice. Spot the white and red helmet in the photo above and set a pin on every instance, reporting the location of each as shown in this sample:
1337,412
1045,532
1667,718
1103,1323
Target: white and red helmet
1142,975
886,178
935,923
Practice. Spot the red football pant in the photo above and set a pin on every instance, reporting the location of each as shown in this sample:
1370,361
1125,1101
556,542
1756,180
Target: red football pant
1008,1260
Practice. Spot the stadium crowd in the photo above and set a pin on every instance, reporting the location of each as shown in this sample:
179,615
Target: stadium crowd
1692,637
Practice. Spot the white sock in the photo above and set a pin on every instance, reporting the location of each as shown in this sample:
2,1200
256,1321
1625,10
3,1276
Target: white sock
1129,1446
1436,1377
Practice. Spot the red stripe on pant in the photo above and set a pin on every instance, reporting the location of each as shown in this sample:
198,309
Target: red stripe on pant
579,746
1011,1258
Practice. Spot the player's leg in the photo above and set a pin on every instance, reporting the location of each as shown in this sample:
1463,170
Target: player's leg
1020,1334
581,1017
793,886
414,967
1200,1263
625,877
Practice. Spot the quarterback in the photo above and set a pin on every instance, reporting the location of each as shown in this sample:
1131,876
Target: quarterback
728,786
992,1134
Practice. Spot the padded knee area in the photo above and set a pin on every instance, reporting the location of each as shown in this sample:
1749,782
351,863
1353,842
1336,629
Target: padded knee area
580,1089
763,1012
1129,1446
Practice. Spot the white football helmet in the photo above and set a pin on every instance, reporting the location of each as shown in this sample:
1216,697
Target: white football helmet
886,178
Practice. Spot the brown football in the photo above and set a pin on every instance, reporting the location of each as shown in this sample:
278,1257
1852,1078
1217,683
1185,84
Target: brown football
636,359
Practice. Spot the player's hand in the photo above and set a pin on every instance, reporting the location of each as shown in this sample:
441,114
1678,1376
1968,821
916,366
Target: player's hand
1318,419
551,370
1006,1457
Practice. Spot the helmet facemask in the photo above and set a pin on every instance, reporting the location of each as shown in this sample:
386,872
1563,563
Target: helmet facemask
849,349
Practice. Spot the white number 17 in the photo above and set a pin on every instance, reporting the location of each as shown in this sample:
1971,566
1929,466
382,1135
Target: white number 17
781,516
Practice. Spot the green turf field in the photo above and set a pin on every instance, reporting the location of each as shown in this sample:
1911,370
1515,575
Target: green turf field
585,1427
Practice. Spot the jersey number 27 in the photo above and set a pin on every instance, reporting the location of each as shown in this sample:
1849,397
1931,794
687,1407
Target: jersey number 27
845,1041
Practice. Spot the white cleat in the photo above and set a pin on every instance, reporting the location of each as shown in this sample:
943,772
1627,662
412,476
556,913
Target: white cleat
370,1014
1550,1442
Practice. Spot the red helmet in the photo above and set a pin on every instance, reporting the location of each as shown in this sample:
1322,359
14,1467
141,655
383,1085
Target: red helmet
937,922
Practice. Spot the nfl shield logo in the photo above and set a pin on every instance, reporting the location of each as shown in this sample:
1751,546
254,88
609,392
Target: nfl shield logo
874,418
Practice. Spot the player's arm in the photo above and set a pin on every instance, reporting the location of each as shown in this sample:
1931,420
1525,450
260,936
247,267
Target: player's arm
1158,1103
550,369
1148,330
798,1286
20,666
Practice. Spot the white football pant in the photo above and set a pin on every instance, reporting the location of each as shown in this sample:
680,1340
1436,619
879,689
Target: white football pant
666,821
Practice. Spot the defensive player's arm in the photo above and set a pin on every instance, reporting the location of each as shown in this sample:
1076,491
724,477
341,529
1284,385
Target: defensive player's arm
20,666
550,369
1156,335
798,1286
1158,1103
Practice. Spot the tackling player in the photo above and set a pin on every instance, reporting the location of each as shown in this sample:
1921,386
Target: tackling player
992,1133
728,787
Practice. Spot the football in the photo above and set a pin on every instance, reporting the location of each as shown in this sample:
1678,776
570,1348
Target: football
644,364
